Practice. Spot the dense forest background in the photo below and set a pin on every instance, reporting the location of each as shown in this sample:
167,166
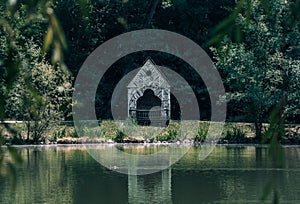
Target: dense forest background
255,45
108,19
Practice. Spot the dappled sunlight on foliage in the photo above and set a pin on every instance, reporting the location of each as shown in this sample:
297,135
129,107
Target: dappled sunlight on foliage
43,43
259,68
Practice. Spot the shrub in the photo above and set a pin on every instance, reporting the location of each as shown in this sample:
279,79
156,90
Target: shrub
201,132
170,134
119,137
59,133
109,129
41,94
17,140
235,134
74,134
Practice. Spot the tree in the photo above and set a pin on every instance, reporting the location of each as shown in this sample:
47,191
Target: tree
41,95
260,68
32,89
106,19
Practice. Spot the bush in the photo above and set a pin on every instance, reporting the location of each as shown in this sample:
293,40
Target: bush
235,134
109,129
170,134
74,134
41,93
201,132
119,137
17,140
59,133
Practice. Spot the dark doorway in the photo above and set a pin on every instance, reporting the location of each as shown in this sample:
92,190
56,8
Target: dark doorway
175,108
148,108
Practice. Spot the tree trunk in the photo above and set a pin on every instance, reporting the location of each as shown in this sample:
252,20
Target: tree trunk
28,131
258,131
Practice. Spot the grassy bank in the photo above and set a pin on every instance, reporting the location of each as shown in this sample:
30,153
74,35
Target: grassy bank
122,132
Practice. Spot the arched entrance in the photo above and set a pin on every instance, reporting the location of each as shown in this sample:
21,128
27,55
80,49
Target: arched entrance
149,96
149,108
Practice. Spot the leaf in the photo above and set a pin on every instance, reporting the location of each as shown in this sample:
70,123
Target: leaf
57,53
48,39
215,39
58,30
226,26
276,152
230,19
267,190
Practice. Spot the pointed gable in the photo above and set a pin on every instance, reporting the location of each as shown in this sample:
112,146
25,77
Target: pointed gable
149,76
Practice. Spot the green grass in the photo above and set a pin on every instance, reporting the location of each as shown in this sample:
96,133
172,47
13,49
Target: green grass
126,131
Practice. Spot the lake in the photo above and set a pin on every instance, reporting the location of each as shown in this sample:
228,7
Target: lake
230,174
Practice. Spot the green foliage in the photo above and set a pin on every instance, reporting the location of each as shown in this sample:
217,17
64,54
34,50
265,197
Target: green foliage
93,132
255,72
276,155
119,137
74,134
230,26
109,129
17,140
170,134
275,133
21,26
29,81
22,16
59,133
202,132
235,135
107,19
40,95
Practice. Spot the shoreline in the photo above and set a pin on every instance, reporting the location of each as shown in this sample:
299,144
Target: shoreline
110,133
145,144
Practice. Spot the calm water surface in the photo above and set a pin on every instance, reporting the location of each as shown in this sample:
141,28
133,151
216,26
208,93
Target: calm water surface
231,174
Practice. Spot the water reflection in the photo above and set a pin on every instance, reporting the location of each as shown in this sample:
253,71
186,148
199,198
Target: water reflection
68,174
136,159
152,188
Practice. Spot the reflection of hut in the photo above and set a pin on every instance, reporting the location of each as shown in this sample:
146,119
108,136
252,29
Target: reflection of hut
149,96
147,187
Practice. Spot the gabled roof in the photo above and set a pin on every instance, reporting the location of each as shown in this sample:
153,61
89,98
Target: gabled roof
149,75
